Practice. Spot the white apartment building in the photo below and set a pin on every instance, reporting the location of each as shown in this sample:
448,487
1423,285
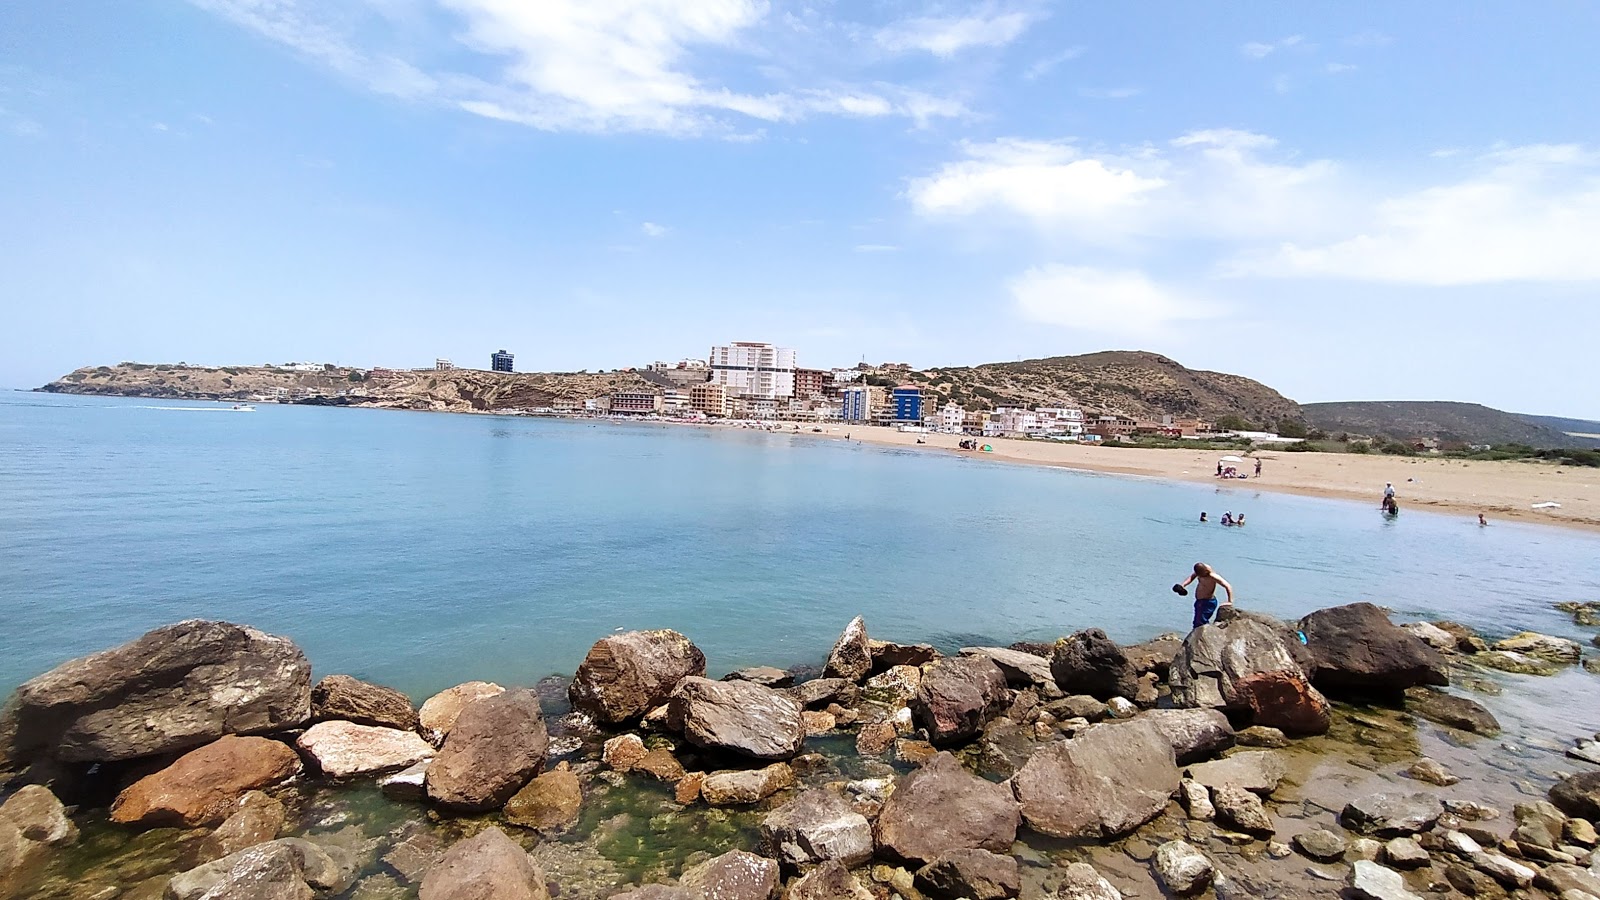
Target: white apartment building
952,418
752,369
1060,420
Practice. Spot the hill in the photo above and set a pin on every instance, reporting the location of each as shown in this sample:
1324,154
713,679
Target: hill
1575,427
1468,423
1133,382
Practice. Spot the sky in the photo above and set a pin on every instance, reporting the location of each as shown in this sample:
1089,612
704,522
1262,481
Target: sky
1344,201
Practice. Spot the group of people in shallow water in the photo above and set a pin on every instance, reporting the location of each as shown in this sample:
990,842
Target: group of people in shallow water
1228,518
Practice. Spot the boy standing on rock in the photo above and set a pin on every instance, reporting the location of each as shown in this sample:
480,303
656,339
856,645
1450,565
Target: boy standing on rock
1205,592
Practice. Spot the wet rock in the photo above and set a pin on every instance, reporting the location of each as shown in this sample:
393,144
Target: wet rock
974,874
958,697
735,875
413,855
1104,782
1455,712
1392,814
1320,844
173,689
1404,853
410,783
1242,810
1021,670
766,676
1578,795
916,824
341,697
1244,666
344,749
255,819
1091,663
830,880
1195,734
1508,872
1260,771
661,765
1561,877
439,712
815,827
1432,635
875,739
202,786
1261,736
549,803
737,716
1370,881
1432,772
895,685
744,787
851,656
38,816
1196,798
1183,869
1080,881
1517,663
496,745
1357,649
1586,750
1541,646
914,753
655,892
623,752
488,866
240,875
1467,640
688,788
626,675
822,691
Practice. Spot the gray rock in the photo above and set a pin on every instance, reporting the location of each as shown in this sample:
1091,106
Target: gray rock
1560,878
266,866
343,698
38,816
815,827
830,880
1021,669
268,872
735,875
1587,751
1091,663
1077,706
1121,708
1452,711
1242,809
1542,646
1578,795
1460,843
1392,814
487,866
1080,881
971,873
1246,665
497,745
1364,848
1104,782
1432,635
1356,648
344,749
409,783
1261,736
1404,853
1260,771
916,824
626,675
1320,844
1183,869
1370,881
738,717
958,697
1508,872
1196,799
1539,824
851,657
175,688
821,691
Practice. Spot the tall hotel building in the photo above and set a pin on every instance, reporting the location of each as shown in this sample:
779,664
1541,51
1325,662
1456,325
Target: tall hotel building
756,370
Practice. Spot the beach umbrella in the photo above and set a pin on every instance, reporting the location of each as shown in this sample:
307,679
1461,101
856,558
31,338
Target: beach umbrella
1231,459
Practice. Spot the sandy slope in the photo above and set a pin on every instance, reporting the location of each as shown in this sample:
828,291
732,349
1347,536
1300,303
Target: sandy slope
1498,489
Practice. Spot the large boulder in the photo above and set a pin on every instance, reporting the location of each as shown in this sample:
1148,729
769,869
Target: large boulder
1106,781
173,689
815,827
38,816
496,746
738,717
1254,770
341,697
917,824
345,749
735,875
1578,795
1091,663
1244,665
1357,649
627,675
1022,670
487,866
972,873
438,714
1195,734
957,697
203,785
851,657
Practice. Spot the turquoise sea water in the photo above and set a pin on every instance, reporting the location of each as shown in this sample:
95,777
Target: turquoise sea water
421,550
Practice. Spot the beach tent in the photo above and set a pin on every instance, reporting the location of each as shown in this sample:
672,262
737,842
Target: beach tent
1232,459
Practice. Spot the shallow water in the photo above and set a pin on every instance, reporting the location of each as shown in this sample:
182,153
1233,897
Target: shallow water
421,550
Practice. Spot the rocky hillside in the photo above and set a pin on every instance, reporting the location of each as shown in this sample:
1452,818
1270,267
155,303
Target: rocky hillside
1467,423
1135,383
456,390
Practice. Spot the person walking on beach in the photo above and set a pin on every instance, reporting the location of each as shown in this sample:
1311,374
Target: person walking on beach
1206,582
1258,467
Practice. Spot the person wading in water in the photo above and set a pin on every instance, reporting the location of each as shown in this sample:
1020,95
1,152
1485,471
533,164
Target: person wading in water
1205,592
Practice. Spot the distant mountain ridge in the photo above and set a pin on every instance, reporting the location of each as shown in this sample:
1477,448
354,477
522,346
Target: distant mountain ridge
1467,423
1559,423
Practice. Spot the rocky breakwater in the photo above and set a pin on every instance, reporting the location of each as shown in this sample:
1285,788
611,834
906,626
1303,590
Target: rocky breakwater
1081,769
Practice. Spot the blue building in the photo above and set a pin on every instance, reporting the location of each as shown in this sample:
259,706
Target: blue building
500,361
907,401
855,403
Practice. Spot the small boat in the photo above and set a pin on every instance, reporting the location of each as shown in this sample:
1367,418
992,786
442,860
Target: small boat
243,407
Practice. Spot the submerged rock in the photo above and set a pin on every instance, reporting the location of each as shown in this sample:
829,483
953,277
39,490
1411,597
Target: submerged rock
344,749
488,866
263,870
341,697
1091,663
1356,648
737,716
917,823
548,803
817,826
1104,782
410,783
971,873
1320,844
626,675
1541,646
255,819
173,689
495,747
1455,712
1080,881
1254,770
203,785
439,712
1392,814
957,698
851,656
1517,663
1432,772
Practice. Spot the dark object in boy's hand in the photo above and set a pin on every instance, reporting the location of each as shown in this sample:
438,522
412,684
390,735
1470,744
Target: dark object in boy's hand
1180,590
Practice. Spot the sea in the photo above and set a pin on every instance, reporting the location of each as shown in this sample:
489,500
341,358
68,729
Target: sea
421,550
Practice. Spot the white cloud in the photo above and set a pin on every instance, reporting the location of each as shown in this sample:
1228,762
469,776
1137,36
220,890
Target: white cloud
1369,38
1045,66
1336,68
1117,93
946,36
651,229
1122,303
876,248
1261,50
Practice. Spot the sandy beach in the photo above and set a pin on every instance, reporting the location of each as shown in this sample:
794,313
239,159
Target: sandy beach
1500,490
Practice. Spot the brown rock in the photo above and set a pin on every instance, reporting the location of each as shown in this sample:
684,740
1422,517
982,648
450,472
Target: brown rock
687,790
1284,700
977,874
496,746
744,787
851,657
202,787
36,813
959,696
661,765
818,722
735,875
439,712
548,803
914,752
488,866
1104,782
830,880
352,700
816,827
917,823
626,675
887,653
623,752
21,861
255,819
737,716
875,739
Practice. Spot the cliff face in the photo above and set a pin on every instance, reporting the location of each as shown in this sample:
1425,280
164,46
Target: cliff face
454,390
1135,383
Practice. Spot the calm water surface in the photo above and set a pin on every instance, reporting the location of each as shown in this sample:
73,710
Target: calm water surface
421,550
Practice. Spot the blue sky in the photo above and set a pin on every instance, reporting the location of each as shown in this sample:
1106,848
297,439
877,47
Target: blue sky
1397,201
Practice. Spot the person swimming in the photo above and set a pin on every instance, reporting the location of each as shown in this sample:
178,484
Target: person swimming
1202,516
1239,522
1227,518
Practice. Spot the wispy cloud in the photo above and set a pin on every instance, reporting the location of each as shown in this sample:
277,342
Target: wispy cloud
1117,93
946,36
876,248
1337,68
1043,67
1262,50
1119,303
1369,38
653,230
